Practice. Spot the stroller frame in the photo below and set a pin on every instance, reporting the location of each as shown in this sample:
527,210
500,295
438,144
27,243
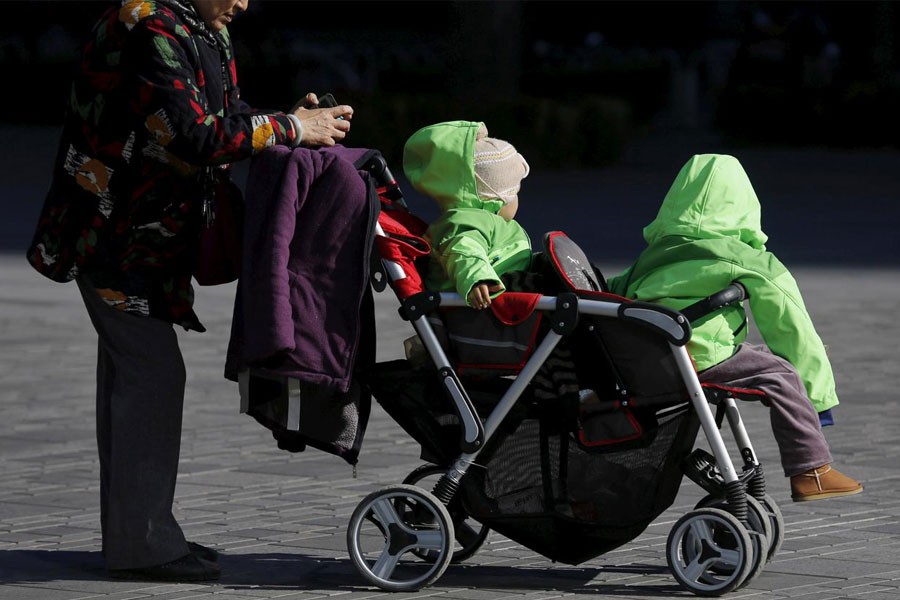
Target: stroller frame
718,547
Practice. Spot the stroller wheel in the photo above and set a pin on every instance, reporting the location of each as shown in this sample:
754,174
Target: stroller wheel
760,531
768,507
777,521
391,523
709,552
469,533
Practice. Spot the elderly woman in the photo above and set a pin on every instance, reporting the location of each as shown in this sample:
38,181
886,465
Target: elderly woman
153,120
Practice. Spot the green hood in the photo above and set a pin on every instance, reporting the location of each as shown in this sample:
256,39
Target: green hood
439,161
710,198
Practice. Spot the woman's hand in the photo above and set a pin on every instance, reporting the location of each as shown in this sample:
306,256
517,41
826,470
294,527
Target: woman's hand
308,101
324,126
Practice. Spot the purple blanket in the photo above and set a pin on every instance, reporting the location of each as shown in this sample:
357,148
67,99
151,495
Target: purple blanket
307,239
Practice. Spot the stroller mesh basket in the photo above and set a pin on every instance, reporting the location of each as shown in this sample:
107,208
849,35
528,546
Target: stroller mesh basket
543,489
536,482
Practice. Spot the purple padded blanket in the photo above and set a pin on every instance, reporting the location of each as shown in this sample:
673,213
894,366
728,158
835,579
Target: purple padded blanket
307,241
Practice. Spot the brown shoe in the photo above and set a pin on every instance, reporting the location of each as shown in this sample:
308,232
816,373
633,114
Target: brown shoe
824,482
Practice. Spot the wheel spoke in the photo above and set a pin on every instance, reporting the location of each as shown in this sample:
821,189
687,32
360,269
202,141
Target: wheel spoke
694,570
728,557
384,510
701,531
385,564
429,540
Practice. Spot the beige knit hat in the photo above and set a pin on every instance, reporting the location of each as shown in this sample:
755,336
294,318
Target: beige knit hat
499,168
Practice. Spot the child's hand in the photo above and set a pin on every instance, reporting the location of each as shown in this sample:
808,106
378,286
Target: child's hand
480,294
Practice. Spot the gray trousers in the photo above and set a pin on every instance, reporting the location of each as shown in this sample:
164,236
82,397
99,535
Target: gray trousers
795,423
140,396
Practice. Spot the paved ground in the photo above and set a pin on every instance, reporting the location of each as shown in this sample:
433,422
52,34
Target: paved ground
279,519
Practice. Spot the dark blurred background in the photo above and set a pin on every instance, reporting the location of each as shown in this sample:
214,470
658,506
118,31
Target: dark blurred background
571,83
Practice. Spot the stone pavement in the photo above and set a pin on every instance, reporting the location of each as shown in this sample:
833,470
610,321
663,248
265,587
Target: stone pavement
279,519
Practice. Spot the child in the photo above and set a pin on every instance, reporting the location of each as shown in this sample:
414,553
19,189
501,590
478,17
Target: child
478,250
706,235
475,180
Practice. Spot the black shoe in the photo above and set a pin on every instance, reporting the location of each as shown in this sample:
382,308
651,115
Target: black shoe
203,552
187,568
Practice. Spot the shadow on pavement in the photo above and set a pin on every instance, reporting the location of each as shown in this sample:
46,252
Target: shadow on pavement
299,572
33,566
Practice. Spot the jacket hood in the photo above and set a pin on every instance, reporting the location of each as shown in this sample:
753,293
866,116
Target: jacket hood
710,198
439,160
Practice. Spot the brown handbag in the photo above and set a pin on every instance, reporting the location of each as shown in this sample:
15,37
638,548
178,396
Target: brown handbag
221,233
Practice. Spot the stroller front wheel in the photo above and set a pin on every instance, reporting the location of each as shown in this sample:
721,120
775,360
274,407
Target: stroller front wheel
759,527
392,523
760,512
709,552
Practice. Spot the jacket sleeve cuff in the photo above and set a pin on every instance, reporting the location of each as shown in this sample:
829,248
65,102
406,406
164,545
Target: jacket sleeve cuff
298,128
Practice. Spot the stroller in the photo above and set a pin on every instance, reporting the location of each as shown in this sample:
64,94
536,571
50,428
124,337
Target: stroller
570,479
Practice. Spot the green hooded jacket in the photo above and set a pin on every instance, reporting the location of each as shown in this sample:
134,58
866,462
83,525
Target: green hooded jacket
469,241
706,235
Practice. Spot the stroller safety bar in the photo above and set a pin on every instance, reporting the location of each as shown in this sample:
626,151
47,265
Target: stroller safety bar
733,294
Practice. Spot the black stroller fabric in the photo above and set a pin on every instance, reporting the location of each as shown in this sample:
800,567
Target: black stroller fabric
413,397
483,346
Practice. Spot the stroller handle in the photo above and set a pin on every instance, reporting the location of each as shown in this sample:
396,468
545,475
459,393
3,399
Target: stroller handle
733,294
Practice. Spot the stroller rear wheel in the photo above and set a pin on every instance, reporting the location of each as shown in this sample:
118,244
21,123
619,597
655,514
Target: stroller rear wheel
469,533
391,523
709,552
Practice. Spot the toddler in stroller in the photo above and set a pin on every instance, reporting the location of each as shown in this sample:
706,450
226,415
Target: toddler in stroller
477,247
708,233
571,480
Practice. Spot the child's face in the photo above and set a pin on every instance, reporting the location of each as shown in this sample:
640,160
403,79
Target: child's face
508,210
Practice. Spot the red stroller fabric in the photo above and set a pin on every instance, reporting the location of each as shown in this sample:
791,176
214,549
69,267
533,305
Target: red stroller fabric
404,244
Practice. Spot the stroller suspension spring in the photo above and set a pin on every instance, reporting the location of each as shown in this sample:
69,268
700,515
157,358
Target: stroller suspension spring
756,485
737,500
445,489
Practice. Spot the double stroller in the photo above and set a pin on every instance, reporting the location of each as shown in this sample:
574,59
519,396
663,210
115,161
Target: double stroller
571,478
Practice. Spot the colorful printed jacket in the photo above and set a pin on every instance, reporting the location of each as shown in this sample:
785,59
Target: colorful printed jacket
470,242
153,115
706,235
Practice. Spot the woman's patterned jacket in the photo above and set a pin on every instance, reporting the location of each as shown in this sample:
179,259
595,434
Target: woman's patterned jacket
153,117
